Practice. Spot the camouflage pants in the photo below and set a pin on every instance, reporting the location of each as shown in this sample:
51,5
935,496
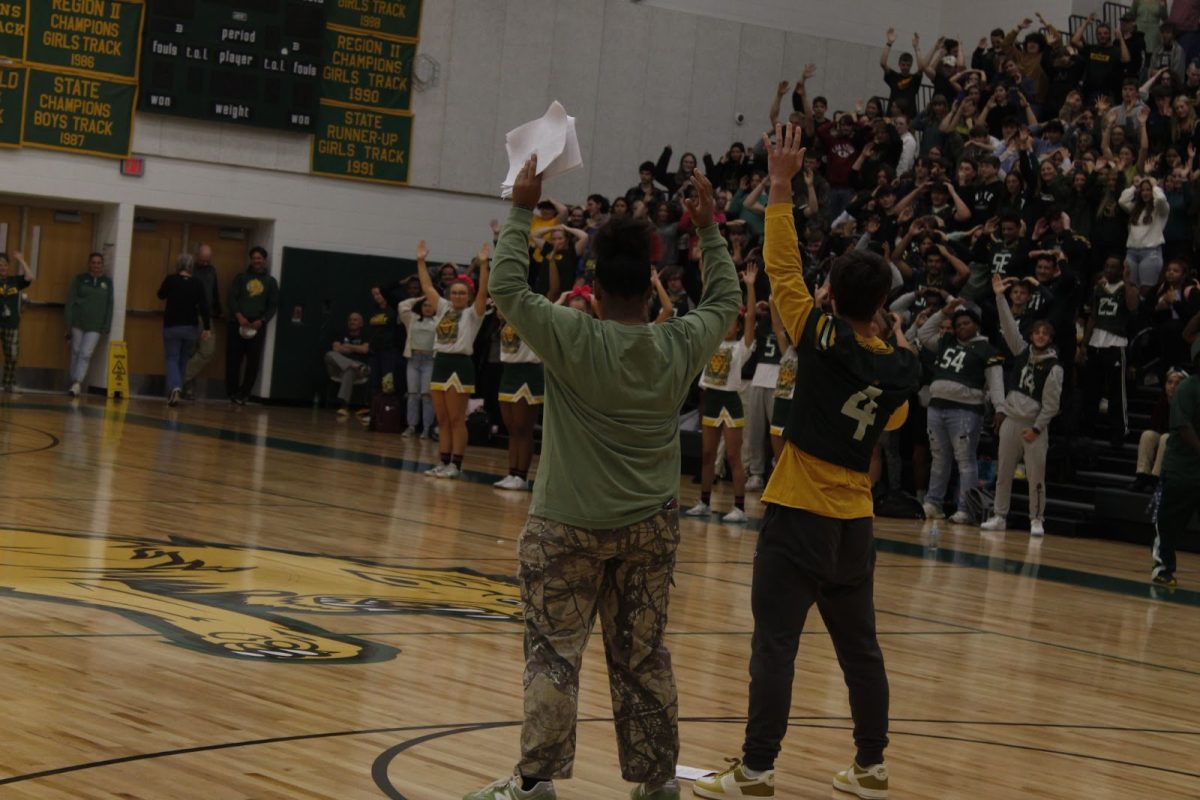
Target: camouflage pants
567,574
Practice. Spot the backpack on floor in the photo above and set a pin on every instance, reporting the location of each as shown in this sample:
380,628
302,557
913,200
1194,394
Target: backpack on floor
898,505
386,414
479,427
979,504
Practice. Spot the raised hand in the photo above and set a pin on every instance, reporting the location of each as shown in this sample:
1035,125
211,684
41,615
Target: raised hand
891,36
750,272
809,71
700,204
916,43
998,284
782,88
485,250
786,157
821,295
495,226
527,188
422,250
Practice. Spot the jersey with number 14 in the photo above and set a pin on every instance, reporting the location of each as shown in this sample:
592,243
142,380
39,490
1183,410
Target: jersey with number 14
847,390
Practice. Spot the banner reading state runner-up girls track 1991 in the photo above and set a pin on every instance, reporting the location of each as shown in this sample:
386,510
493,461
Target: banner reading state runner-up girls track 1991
252,62
365,128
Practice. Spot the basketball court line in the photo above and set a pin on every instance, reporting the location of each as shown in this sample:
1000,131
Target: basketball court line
441,730
1063,575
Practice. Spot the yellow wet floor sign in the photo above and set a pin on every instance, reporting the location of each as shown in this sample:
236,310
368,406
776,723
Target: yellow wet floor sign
118,369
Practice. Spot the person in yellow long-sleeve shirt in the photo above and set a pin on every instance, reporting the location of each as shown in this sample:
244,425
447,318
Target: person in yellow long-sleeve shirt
816,544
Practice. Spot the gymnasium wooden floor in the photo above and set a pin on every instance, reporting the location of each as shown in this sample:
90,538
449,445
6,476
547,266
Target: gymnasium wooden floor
265,603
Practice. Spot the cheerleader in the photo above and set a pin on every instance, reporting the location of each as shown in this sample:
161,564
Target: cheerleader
522,390
458,320
722,408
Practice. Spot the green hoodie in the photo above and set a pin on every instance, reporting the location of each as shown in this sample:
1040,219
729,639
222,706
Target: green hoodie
255,295
90,303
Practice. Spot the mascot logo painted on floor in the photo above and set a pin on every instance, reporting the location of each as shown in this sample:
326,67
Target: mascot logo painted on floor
234,601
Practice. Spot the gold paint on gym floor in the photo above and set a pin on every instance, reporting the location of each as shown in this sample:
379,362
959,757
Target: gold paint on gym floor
166,575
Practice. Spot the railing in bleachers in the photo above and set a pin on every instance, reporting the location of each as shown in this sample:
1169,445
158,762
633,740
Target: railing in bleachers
1110,13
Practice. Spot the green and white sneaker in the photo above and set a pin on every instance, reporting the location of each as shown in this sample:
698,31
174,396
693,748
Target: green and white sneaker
667,791
733,782
869,783
510,789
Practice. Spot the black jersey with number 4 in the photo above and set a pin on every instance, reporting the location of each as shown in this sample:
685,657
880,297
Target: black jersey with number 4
846,391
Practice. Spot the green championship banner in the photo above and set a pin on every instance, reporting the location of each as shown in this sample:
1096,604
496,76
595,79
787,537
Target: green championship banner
79,114
361,143
367,70
96,36
390,17
12,104
12,28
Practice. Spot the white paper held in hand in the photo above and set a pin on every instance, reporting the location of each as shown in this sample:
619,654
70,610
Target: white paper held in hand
552,138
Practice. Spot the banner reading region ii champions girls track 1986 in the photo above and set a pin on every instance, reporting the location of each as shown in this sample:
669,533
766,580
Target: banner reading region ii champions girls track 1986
364,127
71,80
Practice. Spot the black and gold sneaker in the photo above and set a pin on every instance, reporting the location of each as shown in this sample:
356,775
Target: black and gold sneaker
869,783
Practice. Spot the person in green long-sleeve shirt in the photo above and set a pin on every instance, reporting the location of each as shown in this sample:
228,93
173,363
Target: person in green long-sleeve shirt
89,312
604,522
253,301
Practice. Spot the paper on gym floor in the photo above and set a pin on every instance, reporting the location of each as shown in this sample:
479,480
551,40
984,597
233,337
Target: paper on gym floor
692,773
552,138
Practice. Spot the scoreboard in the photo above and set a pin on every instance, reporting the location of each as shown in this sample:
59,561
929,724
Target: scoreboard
253,62
73,71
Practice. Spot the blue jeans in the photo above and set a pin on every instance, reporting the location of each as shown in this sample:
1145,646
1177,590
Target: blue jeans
420,400
1145,265
178,343
953,436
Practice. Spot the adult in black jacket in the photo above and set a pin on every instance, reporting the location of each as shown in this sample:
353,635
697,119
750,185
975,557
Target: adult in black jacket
186,301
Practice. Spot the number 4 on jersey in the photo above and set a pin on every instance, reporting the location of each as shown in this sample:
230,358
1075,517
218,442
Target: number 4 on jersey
861,407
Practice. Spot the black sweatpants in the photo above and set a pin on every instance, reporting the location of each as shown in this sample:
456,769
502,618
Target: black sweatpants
1177,502
1104,376
801,559
237,349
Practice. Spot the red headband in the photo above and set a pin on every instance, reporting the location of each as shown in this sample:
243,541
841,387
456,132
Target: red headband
461,278
584,291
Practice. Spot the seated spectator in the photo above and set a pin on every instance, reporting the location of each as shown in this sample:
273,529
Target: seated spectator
727,173
1153,443
1176,300
645,190
346,361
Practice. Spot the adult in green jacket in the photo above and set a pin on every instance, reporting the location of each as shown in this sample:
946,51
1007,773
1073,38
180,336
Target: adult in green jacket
89,315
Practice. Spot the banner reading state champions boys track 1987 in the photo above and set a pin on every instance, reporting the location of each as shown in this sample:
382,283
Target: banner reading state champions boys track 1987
71,81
